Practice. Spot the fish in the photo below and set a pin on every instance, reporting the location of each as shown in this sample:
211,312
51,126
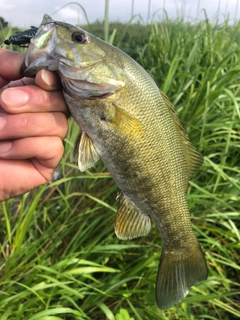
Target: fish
126,121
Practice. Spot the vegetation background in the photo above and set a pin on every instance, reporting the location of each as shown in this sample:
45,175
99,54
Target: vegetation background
59,256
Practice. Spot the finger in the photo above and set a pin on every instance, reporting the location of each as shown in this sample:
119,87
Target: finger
47,151
16,83
19,83
11,63
32,125
20,176
32,99
47,80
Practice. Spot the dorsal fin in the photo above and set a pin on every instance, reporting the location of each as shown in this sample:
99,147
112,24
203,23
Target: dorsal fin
194,158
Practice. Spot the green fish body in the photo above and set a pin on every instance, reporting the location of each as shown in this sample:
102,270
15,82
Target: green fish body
127,122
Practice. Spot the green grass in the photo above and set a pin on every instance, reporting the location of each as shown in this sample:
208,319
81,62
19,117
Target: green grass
59,256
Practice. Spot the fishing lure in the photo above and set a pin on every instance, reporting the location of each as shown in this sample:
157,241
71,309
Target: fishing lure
22,38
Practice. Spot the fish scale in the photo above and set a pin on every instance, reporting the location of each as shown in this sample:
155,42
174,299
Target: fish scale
127,122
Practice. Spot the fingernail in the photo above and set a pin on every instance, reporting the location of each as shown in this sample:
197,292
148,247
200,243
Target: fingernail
2,123
14,97
47,78
5,146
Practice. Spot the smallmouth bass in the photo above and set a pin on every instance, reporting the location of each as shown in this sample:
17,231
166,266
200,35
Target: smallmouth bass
127,122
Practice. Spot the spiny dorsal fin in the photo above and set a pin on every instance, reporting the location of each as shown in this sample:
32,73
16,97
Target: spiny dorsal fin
194,159
130,222
84,152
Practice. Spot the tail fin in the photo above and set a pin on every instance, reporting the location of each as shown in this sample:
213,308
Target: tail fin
179,270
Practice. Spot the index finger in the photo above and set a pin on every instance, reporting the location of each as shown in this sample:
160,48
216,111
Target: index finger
11,63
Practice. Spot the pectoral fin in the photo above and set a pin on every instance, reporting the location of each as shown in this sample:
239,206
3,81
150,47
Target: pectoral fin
130,222
84,152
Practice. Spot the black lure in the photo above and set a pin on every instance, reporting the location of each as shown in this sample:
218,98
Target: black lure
22,38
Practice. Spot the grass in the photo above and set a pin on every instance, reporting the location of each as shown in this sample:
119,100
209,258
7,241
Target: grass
59,256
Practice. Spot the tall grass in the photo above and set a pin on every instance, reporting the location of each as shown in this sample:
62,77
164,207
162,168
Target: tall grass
59,256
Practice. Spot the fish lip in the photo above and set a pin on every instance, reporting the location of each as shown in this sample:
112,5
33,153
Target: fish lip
31,69
41,53
47,26
49,29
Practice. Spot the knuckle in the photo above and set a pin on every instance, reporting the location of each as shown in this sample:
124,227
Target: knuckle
26,122
61,125
22,122
56,146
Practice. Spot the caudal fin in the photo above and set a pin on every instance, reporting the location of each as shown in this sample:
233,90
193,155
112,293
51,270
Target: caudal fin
178,271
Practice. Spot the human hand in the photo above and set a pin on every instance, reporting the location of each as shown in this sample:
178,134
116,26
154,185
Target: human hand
33,123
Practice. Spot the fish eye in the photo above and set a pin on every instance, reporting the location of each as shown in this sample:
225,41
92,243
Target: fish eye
79,37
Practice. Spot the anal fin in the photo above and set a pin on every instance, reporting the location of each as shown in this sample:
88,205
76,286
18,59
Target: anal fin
85,152
130,222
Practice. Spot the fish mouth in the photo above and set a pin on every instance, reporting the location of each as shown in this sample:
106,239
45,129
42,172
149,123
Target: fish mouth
46,24
45,34
46,27
39,51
